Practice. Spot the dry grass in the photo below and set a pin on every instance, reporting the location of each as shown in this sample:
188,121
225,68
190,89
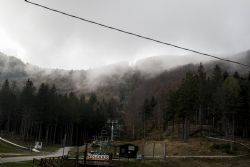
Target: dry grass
239,162
194,146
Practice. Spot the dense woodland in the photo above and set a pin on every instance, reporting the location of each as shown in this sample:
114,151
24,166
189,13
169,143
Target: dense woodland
217,103
199,103
44,114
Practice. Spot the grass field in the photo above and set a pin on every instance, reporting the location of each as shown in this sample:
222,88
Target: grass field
8,150
239,162
233,162
194,146
19,164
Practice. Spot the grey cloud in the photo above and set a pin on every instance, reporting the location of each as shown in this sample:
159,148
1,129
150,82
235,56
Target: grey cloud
52,40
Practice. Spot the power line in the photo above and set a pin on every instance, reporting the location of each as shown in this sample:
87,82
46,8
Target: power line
137,35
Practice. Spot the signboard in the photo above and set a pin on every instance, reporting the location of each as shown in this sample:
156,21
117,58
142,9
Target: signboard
131,148
98,157
128,150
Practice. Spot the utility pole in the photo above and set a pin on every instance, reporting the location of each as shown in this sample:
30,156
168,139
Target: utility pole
112,131
64,143
112,122
85,155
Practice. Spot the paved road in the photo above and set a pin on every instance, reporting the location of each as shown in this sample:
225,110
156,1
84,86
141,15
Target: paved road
28,158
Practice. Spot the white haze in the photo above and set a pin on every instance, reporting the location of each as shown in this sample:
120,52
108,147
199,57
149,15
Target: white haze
51,40
110,76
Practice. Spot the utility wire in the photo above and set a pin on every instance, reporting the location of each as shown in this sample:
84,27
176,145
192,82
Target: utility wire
137,35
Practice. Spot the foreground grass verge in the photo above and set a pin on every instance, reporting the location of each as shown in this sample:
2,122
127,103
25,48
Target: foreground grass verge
7,150
174,162
18,164
239,162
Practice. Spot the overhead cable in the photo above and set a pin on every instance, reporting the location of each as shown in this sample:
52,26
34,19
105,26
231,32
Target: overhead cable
137,35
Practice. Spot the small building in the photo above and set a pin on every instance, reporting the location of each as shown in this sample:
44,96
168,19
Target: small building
38,145
128,151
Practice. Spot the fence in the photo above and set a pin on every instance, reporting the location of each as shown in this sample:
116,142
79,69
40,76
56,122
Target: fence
49,162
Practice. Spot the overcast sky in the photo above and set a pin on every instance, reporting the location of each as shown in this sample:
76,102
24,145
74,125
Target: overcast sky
51,40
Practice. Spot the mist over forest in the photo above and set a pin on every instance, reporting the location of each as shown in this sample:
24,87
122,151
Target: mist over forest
89,80
147,98
124,83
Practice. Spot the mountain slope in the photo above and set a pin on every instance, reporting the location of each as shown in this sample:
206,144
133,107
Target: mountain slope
155,74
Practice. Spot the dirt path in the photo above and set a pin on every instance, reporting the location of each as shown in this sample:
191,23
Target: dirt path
28,158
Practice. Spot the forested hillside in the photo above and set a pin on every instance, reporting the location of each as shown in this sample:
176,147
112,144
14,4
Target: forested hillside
45,104
44,114
214,104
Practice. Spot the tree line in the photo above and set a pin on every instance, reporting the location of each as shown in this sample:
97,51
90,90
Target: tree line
202,103
44,114
217,103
